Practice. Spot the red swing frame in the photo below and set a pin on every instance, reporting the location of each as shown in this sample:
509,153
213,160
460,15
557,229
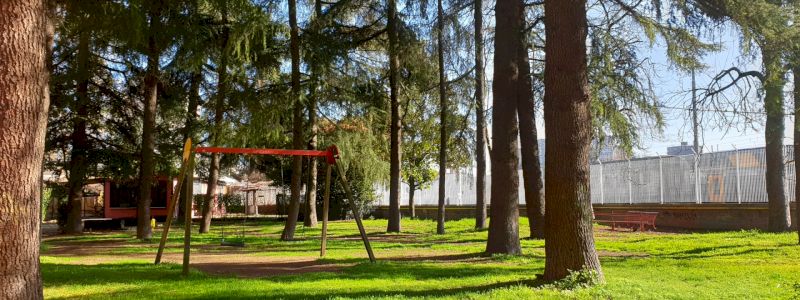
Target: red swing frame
331,154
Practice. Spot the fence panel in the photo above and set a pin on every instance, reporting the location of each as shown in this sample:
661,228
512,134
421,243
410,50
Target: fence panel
736,176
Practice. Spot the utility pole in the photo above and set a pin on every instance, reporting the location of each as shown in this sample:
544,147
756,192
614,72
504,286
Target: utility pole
696,144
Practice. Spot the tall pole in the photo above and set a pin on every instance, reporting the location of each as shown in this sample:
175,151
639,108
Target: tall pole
696,144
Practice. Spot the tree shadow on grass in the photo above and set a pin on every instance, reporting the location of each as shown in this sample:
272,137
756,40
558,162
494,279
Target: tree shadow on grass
56,275
722,251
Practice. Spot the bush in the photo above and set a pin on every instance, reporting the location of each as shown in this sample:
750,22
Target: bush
233,203
577,279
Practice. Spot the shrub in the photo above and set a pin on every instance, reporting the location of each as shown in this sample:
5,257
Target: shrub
233,203
576,280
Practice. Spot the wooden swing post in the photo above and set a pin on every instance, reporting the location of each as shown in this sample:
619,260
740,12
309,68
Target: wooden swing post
187,223
325,204
356,213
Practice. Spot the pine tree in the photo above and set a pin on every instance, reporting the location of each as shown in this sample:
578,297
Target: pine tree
25,32
569,240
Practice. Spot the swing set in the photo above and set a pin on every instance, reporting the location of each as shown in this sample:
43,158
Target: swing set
331,155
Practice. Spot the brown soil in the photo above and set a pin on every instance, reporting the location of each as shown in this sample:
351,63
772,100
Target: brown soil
233,263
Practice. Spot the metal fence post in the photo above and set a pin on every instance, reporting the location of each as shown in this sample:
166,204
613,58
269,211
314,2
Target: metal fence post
602,196
697,178
738,179
661,179
630,184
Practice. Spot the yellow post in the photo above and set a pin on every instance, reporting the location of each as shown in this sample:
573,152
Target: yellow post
187,149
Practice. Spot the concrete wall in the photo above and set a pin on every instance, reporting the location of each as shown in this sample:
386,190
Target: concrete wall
708,216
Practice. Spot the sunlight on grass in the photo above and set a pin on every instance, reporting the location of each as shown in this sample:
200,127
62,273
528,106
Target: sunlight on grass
420,264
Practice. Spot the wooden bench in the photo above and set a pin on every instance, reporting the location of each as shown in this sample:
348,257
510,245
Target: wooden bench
634,220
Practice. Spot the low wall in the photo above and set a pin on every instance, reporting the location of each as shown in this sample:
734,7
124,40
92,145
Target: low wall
716,216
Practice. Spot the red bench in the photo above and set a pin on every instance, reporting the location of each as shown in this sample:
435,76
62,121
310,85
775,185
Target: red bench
634,220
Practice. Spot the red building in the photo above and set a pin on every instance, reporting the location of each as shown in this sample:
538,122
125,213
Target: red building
119,199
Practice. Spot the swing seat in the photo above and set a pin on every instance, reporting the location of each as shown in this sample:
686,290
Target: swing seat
232,243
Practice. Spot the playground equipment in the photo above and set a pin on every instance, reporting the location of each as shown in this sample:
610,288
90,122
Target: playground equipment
331,154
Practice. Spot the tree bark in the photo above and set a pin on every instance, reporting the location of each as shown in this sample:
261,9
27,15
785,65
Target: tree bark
504,222
528,137
79,139
219,116
796,73
442,121
395,127
412,212
311,182
779,215
147,168
189,131
297,126
24,30
311,187
569,240
480,121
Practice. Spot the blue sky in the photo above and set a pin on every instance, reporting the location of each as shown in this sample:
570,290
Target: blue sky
672,88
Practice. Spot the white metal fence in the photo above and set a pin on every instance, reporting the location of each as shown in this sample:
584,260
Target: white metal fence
735,176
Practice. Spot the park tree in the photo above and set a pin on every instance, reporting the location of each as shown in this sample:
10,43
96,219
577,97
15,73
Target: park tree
77,26
154,11
395,125
480,119
795,59
219,108
528,135
796,74
529,148
26,32
297,123
569,241
504,223
419,135
79,137
443,111
317,64
767,25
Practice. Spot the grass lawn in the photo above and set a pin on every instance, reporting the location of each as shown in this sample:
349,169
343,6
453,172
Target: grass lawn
416,264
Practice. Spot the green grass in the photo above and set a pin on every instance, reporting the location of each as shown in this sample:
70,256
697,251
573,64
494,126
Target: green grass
735,265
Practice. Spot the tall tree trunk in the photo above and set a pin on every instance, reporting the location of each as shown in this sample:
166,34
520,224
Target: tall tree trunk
79,139
297,126
779,215
219,116
504,222
528,137
189,131
796,73
569,240
147,168
311,188
442,120
24,30
395,128
311,182
480,121
412,187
